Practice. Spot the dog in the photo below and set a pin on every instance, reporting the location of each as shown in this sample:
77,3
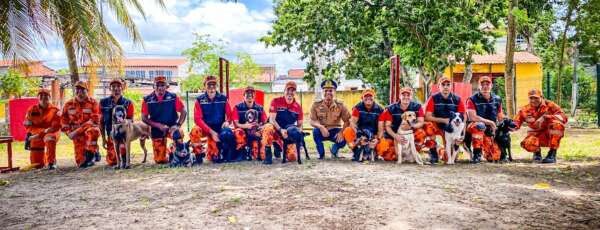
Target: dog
408,118
302,146
125,131
503,139
365,145
455,138
181,155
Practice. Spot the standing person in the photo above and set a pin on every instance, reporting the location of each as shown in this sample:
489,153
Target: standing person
164,112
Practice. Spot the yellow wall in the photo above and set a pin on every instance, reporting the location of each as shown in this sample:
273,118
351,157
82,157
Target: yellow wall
528,76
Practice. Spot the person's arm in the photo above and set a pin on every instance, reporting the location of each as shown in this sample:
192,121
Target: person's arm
500,113
558,113
227,114
472,112
198,118
314,120
272,117
179,107
95,112
420,119
345,116
130,111
354,119
236,120
64,120
429,107
300,117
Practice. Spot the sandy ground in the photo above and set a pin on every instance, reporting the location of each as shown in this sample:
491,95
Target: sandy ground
330,194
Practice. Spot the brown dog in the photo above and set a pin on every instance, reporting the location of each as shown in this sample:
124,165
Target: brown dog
125,131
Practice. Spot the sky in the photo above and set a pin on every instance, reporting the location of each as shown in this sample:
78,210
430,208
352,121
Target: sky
166,33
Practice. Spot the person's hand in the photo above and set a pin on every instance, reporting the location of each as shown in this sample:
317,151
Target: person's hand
284,133
492,125
401,139
33,137
446,121
529,119
225,124
339,137
163,128
72,135
215,136
324,131
405,126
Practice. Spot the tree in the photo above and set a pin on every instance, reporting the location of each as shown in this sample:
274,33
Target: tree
509,65
358,37
14,84
79,24
245,70
204,54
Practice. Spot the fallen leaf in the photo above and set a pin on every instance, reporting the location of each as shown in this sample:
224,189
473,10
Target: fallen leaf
542,185
232,219
4,182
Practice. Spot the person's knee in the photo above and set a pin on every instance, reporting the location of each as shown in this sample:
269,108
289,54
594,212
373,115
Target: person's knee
531,144
317,134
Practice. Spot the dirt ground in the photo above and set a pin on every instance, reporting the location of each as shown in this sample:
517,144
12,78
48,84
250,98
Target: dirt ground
329,194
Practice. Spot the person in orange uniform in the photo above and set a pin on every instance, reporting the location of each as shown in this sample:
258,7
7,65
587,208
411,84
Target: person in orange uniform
80,119
107,105
438,110
364,131
546,122
392,118
164,112
43,123
485,110
248,117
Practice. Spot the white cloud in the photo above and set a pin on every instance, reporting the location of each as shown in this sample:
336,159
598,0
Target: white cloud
168,32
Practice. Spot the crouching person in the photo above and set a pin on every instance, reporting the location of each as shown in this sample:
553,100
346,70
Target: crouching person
362,135
80,120
212,114
326,116
392,119
546,122
284,130
43,123
164,112
485,110
248,118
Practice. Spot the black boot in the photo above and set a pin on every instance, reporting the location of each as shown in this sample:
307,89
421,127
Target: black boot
97,156
284,154
124,162
51,166
199,159
89,159
278,153
476,156
268,156
537,156
551,157
356,153
433,156
503,157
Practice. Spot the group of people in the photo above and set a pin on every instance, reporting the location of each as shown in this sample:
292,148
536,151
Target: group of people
247,132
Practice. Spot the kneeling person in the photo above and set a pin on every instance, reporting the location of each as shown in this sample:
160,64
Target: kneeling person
43,123
362,135
326,116
248,118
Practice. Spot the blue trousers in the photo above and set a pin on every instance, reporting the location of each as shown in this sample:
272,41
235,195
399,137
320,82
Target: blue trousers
318,138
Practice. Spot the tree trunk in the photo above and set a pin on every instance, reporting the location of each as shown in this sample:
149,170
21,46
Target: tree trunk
509,66
72,59
468,69
530,44
561,57
574,84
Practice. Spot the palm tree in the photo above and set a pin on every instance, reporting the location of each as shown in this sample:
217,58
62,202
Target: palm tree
79,23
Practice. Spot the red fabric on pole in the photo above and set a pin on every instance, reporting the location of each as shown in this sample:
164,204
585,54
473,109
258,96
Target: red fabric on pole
17,111
464,90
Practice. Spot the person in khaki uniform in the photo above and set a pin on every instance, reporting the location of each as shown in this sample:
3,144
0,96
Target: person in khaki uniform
326,116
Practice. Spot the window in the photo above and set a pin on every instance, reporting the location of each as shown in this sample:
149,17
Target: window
151,74
169,74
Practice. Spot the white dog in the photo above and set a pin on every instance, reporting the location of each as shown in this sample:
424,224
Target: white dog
405,130
454,138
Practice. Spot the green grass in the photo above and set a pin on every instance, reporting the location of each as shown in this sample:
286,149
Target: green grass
577,145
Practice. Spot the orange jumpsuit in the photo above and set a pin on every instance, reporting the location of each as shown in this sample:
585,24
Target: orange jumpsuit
75,118
37,120
546,133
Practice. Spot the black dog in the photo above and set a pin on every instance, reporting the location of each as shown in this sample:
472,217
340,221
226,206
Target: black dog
502,138
302,145
182,155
